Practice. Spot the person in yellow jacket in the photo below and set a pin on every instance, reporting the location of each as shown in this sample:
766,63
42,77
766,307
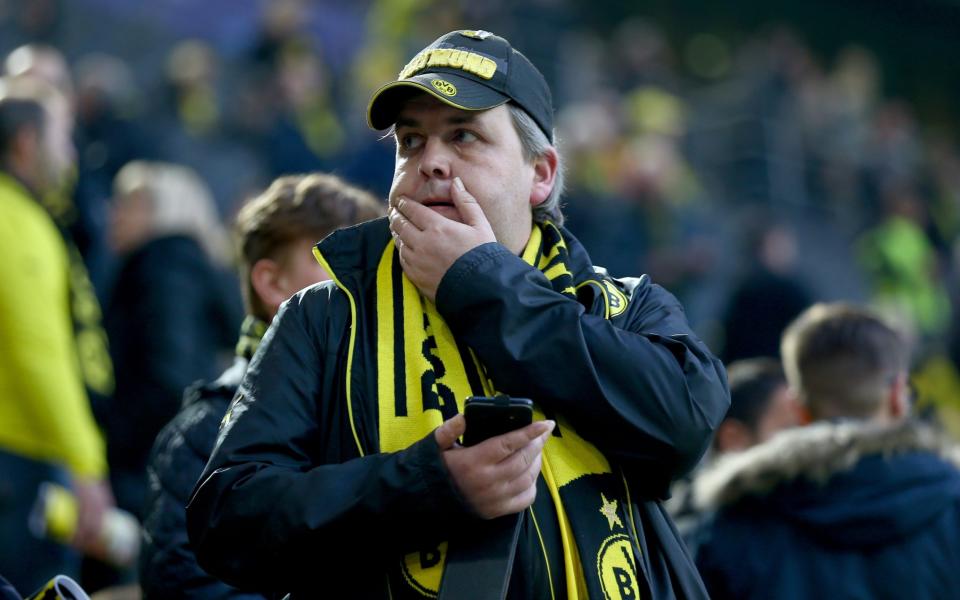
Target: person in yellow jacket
47,429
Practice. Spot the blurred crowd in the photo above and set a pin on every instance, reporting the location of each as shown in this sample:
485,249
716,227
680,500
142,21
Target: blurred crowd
750,178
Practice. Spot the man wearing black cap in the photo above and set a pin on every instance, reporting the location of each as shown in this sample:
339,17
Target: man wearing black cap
338,471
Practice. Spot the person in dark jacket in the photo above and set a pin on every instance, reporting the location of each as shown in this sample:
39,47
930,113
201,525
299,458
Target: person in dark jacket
863,503
337,472
275,233
761,404
171,315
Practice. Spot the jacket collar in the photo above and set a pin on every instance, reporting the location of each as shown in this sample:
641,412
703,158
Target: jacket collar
816,452
354,252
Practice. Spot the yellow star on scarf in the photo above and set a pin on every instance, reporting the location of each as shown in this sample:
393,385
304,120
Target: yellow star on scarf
609,510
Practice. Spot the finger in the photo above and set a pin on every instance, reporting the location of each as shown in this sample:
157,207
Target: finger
526,478
519,462
404,232
500,447
449,431
517,503
417,214
467,205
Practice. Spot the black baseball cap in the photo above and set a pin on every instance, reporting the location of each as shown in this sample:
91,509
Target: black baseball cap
470,70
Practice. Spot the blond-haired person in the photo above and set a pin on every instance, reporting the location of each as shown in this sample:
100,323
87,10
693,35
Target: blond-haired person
173,309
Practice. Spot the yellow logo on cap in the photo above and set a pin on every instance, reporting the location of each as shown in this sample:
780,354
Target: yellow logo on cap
444,87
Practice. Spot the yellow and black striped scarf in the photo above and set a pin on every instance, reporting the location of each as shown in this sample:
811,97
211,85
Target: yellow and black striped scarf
423,377
251,332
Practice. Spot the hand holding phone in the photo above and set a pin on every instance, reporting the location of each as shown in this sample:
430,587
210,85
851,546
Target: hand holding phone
494,479
490,416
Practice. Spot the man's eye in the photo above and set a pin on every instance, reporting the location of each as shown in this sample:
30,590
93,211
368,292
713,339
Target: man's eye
410,141
462,135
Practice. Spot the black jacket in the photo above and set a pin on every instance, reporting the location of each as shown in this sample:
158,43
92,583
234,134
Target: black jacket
838,510
170,313
168,566
296,495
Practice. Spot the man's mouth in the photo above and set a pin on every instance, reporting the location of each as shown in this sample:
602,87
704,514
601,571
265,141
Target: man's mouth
437,203
443,207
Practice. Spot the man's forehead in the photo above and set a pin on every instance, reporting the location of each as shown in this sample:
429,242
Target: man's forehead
421,105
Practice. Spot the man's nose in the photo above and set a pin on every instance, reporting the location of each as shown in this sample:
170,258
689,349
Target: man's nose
435,159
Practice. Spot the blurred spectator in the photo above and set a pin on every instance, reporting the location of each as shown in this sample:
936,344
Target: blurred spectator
43,62
767,297
863,503
47,64
171,312
48,432
902,265
191,126
760,405
276,232
192,72
109,135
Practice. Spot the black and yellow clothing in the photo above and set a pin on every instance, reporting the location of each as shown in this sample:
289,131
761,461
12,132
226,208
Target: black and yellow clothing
300,495
44,407
47,429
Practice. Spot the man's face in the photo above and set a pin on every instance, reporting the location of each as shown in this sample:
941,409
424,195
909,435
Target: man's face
782,413
437,142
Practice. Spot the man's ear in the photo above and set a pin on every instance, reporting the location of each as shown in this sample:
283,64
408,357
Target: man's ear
544,176
898,400
265,279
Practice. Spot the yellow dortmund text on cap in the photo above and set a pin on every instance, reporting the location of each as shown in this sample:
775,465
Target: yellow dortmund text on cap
452,58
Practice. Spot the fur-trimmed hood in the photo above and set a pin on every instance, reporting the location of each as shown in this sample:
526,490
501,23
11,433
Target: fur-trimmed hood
853,481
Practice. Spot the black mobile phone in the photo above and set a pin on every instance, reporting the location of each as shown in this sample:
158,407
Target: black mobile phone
489,416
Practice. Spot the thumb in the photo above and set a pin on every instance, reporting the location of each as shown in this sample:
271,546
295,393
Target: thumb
449,431
467,205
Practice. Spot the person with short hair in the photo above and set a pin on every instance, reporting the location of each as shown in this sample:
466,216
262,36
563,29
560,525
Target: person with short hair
49,356
863,502
761,404
275,233
338,473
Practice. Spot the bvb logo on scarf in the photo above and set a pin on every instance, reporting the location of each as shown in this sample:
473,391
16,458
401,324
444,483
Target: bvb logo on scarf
423,377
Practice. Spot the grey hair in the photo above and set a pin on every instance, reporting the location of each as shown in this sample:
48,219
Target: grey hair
534,143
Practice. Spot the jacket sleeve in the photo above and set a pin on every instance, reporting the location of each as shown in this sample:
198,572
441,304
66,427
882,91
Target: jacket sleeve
168,566
644,389
271,506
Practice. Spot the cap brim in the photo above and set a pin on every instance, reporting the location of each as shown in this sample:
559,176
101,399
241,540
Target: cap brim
385,104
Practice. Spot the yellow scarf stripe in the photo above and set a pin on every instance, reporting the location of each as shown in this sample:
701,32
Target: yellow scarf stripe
553,262
556,270
430,376
386,390
534,245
